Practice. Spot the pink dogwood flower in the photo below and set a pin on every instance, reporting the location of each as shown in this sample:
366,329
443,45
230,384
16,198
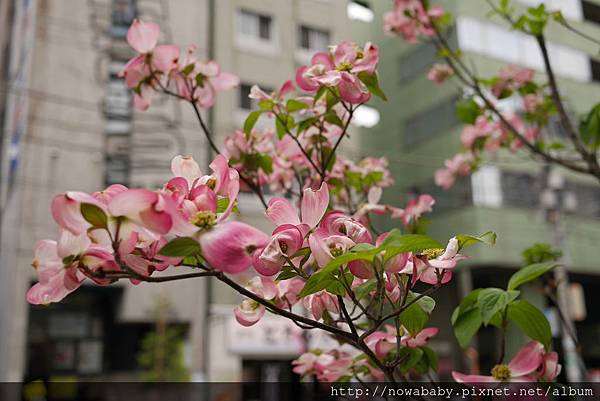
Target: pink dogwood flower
339,68
151,59
441,261
320,302
57,265
312,208
249,312
287,239
439,73
522,368
414,209
409,19
459,165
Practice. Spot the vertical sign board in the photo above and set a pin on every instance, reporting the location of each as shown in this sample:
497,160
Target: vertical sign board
14,130
17,105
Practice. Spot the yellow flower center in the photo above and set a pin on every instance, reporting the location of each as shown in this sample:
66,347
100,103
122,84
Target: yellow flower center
35,264
211,183
501,372
204,220
344,67
433,253
335,251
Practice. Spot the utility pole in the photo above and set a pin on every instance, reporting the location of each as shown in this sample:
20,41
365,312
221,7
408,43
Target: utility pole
208,284
556,201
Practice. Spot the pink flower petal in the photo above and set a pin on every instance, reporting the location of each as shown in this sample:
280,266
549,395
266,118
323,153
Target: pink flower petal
527,360
281,211
462,378
229,246
165,57
314,205
143,36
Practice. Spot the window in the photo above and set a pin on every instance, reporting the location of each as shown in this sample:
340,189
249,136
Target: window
245,103
313,39
595,67
520,190
255,25
422,127
494,41
591,11
123,13
416,63
486,188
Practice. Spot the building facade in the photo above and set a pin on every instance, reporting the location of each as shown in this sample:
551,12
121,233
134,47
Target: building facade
419,129
68,124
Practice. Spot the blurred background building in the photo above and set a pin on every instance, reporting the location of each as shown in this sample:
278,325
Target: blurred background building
68,124
419,129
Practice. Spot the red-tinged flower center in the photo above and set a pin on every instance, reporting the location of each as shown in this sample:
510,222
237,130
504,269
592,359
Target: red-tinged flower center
433,252
204,220
283,246
501,372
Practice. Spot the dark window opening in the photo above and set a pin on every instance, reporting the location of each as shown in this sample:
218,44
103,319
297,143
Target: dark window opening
313,39
422,127
595,70
591,11
244,101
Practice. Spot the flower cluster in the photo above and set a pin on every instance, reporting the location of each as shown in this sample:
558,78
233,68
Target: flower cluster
122,230
485,133
341,69
324,265
532,363
156,66
334,366
409,19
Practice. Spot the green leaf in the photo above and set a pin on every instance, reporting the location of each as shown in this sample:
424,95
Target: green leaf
365,289
466,325
493,300
415,317
181,246
332,118
331,99
266,105
464,240
589,128
283,124
531,321
469,302
286,274
301,252
251,122
305,124
336,288
372,83
294,105
322,90
316,285
94,215
467,110
223,203
407,243
409,357
431,357
529,273
265,162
